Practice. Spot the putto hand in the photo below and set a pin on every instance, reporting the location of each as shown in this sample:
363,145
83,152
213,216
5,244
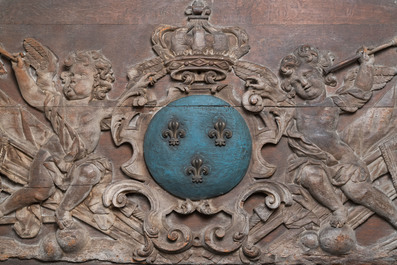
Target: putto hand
365,56
19,62
255,82
356,57
145,81
151,78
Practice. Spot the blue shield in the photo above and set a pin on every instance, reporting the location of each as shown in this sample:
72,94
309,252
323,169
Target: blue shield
197,147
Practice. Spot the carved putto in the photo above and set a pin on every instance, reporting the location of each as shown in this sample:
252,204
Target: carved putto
197,188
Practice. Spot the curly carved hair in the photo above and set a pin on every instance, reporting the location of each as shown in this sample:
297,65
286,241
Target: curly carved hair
104,77
310,55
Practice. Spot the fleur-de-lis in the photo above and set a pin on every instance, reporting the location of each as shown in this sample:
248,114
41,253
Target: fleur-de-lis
220,132
197,169
173,132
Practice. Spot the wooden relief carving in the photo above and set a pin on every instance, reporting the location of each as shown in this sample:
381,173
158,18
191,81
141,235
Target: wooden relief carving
197,187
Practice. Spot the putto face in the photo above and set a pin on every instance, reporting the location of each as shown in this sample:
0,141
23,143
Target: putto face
308,82
79,82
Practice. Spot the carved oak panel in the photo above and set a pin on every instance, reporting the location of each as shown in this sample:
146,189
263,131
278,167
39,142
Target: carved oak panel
227,139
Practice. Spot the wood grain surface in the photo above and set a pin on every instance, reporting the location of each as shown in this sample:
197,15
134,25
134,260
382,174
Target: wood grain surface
122,30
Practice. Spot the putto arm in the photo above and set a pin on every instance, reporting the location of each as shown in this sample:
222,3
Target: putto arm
30,91
44,61
365,75
45,64
356,57
350,97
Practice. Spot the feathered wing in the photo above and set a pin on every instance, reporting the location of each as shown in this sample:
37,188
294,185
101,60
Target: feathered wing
44,61
39,56
260,80
265,97
245,70
380,119
350,98
382,75
153,66
140,77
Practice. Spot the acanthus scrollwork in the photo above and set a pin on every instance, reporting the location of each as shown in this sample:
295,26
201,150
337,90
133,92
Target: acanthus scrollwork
160,236
198,186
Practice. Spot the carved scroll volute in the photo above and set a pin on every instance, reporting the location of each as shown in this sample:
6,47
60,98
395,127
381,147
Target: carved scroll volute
129,117
262,85
165,238
157,233
262,98
226,240
126,128
115,195
276,194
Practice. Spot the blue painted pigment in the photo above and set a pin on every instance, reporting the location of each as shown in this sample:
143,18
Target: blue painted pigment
197,115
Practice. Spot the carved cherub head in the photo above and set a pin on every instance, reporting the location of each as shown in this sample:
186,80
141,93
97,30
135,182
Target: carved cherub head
88,74
303,72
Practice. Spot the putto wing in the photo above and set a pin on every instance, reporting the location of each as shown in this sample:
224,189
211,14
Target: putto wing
246,70
155,66
36,54
383,75
263,87
39,56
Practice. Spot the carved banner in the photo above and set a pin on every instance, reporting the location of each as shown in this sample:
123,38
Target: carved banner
197,187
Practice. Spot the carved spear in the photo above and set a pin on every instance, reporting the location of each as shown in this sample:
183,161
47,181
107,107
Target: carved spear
354,58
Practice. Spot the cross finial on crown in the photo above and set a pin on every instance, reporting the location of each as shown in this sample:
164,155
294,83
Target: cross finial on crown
198,10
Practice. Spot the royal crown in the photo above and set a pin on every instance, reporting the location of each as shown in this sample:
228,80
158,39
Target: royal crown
199,52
